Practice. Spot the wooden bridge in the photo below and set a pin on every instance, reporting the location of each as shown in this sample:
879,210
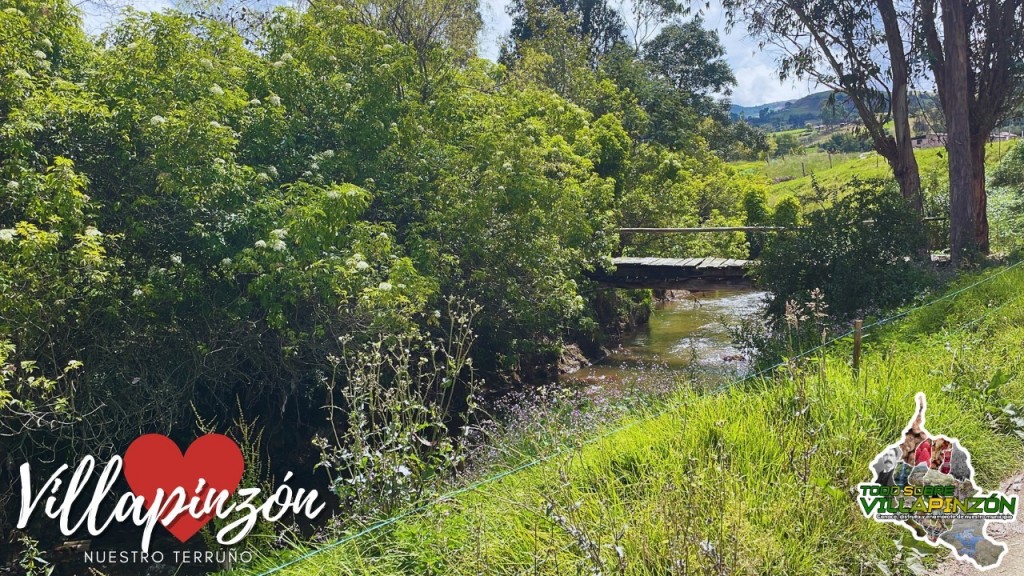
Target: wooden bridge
666,273
690,273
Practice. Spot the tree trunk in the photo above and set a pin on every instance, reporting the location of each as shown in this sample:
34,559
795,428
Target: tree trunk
903,162
979,200
908,176
962,204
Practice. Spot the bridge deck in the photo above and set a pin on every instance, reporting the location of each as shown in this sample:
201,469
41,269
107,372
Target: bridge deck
692,273
633,272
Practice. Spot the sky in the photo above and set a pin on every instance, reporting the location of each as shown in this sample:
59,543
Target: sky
757,81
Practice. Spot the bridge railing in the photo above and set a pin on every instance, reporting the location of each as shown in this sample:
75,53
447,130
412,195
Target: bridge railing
737,228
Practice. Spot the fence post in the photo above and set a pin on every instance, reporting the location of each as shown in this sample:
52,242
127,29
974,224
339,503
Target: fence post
858,326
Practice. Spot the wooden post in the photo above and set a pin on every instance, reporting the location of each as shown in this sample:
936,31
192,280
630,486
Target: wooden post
857,334
802,169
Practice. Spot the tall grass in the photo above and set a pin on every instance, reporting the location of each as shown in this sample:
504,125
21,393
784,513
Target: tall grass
756,479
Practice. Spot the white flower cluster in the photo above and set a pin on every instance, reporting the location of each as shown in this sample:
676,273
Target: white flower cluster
216,90
7,234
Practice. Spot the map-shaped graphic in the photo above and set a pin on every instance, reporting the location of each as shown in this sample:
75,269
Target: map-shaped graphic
926,484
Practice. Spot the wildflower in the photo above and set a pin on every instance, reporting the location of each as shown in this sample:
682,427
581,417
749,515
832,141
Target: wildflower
13,185
275,99
92,231
207,63
277,64
280,233
176,259
362,265
136,293
261,244
20,73
384,286
287,57
7,234
214,124
39,54
792,318
226,262
279,246
216,90
347,86
46,42
157,120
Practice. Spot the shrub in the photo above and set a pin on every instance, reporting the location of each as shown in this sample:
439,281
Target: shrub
861,252
787,213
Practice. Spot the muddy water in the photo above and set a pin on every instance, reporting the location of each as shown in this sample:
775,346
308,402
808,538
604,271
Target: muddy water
687,332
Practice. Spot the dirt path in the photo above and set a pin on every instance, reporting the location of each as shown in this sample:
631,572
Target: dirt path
1009,533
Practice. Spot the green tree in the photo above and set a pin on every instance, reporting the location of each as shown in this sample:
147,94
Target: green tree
976,67
593,21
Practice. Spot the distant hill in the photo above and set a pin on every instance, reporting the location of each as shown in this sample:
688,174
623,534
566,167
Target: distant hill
798,113
793,113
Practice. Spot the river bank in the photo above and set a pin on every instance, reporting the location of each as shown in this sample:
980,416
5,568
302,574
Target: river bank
756,479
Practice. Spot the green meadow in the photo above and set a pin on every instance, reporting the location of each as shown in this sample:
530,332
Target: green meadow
793,175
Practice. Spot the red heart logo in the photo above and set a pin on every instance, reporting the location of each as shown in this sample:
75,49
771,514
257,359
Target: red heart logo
154,462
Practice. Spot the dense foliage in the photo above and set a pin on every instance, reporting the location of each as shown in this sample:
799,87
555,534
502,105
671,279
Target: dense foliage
194,218
857,256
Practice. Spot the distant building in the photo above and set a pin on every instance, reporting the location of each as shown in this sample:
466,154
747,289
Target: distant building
1002,136
930,140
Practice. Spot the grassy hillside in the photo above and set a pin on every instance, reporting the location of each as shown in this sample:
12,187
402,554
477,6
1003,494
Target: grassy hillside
788,174
756,479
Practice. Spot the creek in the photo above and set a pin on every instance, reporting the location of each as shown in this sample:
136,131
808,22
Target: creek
688,332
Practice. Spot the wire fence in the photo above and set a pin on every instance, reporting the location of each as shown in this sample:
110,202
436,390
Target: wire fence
667,408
